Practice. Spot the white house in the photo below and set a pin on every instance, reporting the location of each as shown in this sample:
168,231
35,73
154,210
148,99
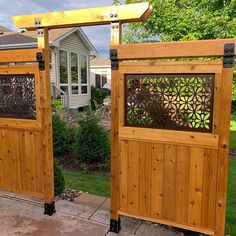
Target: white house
100,72
71,51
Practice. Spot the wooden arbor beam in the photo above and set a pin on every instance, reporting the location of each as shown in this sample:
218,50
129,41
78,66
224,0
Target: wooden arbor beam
85,17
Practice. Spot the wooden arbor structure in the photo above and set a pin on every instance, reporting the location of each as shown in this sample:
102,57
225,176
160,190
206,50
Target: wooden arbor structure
170,121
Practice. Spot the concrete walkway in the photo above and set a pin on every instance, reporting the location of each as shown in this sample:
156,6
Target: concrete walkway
72,219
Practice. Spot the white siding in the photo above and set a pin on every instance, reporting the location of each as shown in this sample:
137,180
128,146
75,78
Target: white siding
100,70
53,68
72,43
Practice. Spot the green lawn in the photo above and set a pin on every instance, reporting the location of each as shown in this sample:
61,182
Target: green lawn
99,185
231,200
233,132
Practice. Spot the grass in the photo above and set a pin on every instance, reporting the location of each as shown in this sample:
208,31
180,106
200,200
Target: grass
233,133
94,184
231,200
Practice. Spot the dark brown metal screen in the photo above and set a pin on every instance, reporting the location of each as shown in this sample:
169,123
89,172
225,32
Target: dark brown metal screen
17,96
170,101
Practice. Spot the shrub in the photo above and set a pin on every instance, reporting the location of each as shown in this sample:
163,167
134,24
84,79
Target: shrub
61,137
233,110
92,141
59,180
97,96
56,104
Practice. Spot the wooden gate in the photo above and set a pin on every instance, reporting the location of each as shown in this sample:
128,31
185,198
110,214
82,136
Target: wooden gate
26,161
173,133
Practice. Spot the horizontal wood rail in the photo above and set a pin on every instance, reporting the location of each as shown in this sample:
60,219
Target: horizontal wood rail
174,224
85,17
18,55
186,49
170,136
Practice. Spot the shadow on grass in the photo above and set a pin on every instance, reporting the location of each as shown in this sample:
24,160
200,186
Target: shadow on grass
233,139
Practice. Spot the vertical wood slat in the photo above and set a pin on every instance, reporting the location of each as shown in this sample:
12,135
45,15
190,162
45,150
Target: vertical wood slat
123,181
209,188
157,166
170,154
182,184
195,186
22,158
133,177
145,152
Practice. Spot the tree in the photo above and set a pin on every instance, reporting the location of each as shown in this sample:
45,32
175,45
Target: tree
116,2
174,20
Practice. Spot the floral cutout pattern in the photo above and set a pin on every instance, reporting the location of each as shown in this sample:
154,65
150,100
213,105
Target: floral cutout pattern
17,97
170,101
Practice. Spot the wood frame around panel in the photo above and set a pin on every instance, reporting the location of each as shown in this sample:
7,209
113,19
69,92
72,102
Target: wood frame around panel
200,48
85,17
212,67
23,124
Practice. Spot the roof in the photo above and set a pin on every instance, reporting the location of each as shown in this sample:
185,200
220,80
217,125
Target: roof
15,38
100,61
25,39
4,29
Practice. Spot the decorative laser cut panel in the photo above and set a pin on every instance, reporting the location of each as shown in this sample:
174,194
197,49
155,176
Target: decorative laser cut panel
170,101
17,97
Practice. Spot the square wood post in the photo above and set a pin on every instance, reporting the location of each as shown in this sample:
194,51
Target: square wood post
223,154
116,32
46,132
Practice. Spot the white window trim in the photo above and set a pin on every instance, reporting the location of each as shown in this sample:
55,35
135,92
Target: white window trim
69,84
63,84
87,84
101,73
79,84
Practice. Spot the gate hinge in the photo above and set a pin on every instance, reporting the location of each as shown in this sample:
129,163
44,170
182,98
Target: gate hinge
228,60
114,59
39,59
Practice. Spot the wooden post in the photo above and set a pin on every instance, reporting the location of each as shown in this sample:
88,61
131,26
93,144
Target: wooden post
116,33
223,154
46,132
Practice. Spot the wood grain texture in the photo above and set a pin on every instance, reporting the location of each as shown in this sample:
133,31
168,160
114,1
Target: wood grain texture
223,154
115,145
198,48
18,55
85,17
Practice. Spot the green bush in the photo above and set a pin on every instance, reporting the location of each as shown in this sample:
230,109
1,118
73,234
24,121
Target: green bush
92,141
59,180
233,110
56,104
97,96
61,135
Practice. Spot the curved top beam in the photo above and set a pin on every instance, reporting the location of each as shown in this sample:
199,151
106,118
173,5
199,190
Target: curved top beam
85,17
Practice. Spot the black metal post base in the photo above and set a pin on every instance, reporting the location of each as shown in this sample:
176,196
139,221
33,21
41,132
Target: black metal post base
115,226
49,209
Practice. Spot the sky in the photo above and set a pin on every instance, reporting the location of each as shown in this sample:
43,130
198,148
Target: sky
98,35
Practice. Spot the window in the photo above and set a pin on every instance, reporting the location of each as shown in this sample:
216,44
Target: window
74,73
84,74
73,78
63,60
100,80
